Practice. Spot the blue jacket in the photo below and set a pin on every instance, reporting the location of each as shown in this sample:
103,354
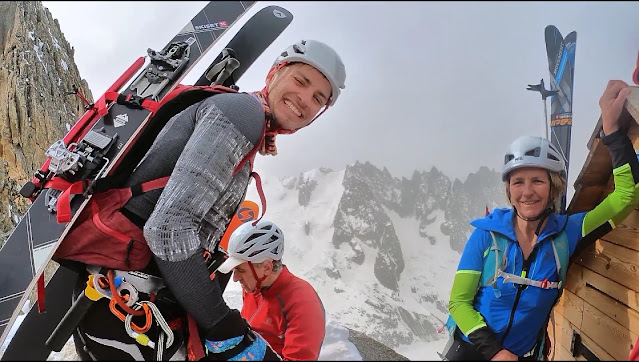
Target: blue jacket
534,303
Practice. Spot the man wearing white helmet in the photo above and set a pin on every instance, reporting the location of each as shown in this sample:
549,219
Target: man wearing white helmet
204,149
281,307
513,267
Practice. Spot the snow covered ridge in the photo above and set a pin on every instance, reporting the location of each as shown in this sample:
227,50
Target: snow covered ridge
381,251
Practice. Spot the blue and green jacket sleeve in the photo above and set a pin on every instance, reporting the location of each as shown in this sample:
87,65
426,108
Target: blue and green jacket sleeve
465,285
618,205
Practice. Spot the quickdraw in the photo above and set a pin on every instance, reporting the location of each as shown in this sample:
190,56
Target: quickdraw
146,312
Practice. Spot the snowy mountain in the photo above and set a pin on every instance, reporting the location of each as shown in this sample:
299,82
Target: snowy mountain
380,251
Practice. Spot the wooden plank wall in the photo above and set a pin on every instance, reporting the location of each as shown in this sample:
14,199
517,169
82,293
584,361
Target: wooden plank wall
601,297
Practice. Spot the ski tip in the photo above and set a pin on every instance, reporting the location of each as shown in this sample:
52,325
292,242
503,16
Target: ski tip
279,12
551,29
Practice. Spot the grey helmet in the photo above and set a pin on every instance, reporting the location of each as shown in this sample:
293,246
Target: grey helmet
529,151
323,58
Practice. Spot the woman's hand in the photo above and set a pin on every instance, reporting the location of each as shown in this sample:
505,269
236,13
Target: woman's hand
611,104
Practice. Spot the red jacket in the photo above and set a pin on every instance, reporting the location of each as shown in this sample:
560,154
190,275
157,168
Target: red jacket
289,315
634,354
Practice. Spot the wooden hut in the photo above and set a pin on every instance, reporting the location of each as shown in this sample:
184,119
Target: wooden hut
597,316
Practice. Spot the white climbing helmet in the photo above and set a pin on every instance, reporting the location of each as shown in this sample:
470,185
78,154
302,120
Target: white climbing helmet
253,243
323,58
529,151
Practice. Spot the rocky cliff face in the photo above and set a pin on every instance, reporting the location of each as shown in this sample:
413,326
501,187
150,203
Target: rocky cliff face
37,69
369,192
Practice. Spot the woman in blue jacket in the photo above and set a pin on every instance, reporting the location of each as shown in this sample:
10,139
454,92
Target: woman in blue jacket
502,314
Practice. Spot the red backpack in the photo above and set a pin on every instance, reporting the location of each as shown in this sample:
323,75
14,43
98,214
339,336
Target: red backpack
102,235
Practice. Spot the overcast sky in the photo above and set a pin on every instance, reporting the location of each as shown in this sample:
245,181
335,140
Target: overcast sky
428,83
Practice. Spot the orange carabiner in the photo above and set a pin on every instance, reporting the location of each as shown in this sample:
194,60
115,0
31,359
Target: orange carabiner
115,311
145,310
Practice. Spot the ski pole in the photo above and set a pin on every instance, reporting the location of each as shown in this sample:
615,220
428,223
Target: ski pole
545,118
72,318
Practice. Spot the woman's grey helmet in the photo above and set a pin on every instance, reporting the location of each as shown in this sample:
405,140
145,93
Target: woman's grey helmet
529,151
323,58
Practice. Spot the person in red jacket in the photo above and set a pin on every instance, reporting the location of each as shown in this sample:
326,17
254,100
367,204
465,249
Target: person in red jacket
284,309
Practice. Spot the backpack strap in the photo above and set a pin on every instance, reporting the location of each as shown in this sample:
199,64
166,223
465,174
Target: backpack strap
500,261
195,350
63,211
258,184
493,267
562,255
250,158
560,250
544,284
149,185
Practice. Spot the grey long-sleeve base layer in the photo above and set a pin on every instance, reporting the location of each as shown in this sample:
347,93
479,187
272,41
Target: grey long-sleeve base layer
205,143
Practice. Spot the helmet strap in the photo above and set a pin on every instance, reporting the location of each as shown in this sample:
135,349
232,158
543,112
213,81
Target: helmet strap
258,285
263,94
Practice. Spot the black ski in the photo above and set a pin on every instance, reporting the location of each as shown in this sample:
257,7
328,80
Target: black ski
246,46
561,64
268,24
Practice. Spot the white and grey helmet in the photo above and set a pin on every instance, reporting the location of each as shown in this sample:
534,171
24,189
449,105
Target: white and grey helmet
529,151
323,58
254,243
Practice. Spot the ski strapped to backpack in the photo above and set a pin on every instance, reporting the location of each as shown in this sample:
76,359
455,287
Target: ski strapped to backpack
495,262
186,95
78,160
92,114
102,220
